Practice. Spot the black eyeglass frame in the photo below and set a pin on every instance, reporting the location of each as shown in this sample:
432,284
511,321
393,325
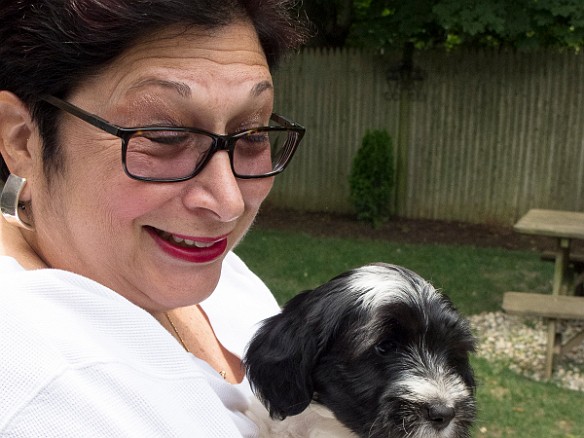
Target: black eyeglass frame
220,142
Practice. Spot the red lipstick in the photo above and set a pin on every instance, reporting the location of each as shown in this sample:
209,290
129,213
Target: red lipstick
188,253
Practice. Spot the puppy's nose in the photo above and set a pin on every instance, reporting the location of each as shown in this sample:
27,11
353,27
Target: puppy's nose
440,415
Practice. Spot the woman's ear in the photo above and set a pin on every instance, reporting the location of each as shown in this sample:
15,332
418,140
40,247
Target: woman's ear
16,128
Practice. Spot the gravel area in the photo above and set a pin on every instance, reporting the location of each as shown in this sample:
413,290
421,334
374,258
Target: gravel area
520,343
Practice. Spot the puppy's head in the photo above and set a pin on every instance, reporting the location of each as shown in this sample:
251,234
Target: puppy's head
379,346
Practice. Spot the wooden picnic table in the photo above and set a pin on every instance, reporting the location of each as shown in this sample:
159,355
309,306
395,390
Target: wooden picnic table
564,226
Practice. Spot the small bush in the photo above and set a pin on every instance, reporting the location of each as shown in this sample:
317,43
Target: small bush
372,177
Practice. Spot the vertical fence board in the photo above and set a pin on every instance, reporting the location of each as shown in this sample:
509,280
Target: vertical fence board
491,134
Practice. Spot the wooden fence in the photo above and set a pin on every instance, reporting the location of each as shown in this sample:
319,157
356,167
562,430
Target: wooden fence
481,136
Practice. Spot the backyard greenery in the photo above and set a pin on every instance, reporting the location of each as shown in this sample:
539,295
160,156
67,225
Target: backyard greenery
372,177
448,23
474,278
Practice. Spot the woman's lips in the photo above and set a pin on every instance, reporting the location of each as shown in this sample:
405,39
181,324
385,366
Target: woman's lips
188,248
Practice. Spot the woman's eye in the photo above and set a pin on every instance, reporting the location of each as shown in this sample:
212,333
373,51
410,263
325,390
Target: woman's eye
253,145
259,137
169,144
167,138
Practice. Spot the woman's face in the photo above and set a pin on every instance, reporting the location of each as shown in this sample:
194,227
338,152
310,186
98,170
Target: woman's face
160,245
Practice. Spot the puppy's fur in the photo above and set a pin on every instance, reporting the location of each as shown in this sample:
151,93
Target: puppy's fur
379,347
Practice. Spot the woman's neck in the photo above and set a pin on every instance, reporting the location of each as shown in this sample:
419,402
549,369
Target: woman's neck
192,329
13,244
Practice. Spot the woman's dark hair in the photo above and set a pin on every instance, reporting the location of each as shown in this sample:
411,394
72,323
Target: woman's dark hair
51,46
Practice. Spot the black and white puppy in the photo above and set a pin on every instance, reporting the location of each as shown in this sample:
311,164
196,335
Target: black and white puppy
379,348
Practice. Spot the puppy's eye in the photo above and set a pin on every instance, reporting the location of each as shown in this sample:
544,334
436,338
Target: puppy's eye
385,348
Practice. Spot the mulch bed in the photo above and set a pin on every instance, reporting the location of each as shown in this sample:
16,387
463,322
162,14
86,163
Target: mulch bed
402,230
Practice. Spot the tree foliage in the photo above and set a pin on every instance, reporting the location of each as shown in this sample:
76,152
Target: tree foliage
332,20
389,24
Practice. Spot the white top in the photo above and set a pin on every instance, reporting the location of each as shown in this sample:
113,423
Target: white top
79,360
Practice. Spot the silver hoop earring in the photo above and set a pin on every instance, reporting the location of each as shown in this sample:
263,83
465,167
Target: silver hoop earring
9,201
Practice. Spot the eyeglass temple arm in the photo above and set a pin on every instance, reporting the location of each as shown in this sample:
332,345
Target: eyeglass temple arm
285,122
92,119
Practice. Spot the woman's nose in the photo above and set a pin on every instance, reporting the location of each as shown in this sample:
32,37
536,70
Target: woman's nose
216,190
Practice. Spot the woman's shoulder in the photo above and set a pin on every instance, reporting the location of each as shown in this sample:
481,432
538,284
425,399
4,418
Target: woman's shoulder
9,265
45,283
73,354
77,322
28,363
46,395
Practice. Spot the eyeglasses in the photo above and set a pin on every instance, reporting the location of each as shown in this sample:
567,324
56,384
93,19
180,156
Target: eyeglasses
171,154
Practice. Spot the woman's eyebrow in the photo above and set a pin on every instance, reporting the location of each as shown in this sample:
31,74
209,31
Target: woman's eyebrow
183,89
260,87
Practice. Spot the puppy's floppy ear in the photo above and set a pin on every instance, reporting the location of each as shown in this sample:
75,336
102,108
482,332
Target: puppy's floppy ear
280,359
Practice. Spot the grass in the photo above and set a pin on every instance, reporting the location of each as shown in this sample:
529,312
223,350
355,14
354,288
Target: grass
514,406
475,279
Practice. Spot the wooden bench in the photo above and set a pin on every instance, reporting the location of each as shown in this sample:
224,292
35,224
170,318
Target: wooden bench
576,261
553,308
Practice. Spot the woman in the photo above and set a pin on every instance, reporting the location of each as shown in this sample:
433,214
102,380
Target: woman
135,158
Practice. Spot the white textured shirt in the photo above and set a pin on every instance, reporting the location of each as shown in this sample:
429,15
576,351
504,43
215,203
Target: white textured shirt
79,360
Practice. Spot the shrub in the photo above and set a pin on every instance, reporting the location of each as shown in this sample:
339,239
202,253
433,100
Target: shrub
372,177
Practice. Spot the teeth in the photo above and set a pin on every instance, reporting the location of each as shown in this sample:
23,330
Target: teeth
184,242
202,244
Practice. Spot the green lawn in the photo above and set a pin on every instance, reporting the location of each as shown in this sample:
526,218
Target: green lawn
474,278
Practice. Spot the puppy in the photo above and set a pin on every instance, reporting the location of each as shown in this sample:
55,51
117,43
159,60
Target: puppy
376,348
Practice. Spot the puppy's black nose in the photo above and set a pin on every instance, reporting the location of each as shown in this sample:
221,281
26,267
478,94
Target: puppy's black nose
440,415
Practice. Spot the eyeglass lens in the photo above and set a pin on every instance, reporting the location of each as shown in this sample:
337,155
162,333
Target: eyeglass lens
164,154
